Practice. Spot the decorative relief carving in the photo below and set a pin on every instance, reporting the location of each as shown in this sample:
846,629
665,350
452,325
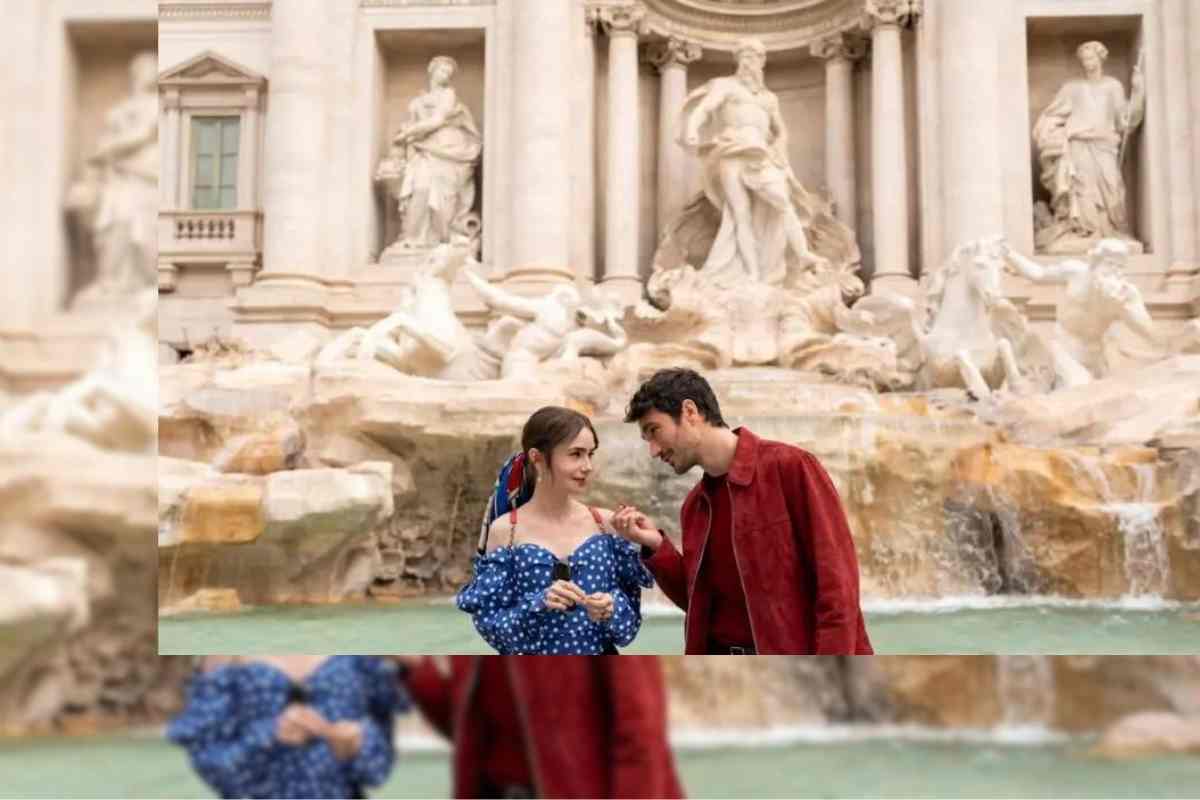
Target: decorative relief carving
840,45
780,25
228,10
628,20
891,12
674,52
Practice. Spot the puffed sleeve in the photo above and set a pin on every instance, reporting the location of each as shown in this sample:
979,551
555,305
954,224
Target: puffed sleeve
506,619
632,577
226,749
385,698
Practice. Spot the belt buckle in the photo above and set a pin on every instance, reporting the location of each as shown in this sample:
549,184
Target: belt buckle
738,651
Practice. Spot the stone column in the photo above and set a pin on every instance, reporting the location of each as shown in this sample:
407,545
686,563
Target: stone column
840,51
294,171
1193,68
583,157
1181,135
541,142
623,24
971,194
672,58
889,154
168,182
248,153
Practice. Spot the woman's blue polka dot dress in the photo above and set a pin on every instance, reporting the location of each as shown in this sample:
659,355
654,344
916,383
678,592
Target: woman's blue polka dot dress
506,599
228,727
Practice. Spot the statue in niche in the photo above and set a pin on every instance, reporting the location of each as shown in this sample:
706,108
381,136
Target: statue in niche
755,270
1098,298
430,167
117,197
757,216
115,405
1082,138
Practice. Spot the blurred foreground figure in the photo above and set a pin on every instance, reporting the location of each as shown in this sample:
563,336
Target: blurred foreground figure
117,197
550,726
291,726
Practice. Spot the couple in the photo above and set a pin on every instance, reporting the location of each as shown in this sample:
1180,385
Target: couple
767,563
322,726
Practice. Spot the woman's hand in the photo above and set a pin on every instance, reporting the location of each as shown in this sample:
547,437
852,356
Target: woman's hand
298,723
345,739
440,663
599,606
563,595
636,527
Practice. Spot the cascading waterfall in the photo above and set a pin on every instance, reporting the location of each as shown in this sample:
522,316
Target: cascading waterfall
1025,691
1146,560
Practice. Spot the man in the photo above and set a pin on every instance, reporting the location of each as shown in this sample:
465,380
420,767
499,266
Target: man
768,563
1080,139
734,125
549,726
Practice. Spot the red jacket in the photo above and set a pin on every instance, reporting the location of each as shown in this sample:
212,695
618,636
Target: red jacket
794,553
598,725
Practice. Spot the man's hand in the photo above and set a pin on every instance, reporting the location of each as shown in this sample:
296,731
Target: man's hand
599,606
563,595
440,663
298,723
636,527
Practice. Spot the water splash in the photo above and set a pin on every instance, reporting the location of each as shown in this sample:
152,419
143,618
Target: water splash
1145,482
1025,690
1147,566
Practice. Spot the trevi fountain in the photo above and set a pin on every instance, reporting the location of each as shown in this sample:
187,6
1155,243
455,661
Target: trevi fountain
951,250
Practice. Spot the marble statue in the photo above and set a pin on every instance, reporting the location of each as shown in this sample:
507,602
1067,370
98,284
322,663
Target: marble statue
115,405
118,193
430,167
767,220
423,336
715,322
1081,139
1097,299
556,325
963,335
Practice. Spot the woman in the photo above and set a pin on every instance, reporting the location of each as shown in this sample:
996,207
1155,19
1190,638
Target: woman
552,580
291,726
549,727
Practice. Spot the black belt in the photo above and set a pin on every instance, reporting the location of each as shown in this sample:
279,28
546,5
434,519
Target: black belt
731,649
511,791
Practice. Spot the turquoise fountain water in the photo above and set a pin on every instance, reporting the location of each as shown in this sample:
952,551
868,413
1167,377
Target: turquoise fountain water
832,762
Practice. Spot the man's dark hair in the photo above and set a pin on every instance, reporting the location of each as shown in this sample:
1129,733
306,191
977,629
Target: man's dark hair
667,389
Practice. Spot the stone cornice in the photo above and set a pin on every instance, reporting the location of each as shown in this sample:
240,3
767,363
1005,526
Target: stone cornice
209,69
779,24
206,9
420,3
